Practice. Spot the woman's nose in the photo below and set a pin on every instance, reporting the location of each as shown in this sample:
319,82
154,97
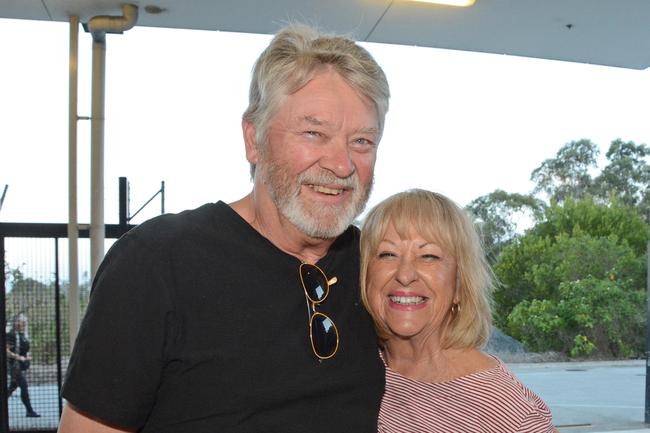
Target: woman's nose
406,272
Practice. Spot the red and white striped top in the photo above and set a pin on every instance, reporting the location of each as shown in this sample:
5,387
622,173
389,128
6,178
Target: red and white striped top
492,400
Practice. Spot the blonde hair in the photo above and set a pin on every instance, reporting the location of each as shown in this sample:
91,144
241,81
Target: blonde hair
291,60
438,219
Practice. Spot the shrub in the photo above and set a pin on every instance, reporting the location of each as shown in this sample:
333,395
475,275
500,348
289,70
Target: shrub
592,316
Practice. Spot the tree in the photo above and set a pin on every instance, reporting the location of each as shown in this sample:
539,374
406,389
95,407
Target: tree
534,267
591,316
626,177
495,214
595,219
37,301
565,283
568,174
578,240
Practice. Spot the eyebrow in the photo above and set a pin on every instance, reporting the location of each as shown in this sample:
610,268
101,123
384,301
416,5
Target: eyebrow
318,122
314,121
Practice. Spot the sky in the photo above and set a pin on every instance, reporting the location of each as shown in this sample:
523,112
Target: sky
460,123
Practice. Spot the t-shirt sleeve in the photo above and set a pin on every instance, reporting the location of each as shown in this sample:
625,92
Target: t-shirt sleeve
538,420
119,355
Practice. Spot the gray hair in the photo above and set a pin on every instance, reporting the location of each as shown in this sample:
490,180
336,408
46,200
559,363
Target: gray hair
293,57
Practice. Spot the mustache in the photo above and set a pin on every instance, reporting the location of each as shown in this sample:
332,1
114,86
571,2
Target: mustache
326,178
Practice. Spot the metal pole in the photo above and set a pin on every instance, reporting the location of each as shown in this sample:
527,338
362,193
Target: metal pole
647,341
4,194
4,409
73,229
57,317
124,202
162,197
97,228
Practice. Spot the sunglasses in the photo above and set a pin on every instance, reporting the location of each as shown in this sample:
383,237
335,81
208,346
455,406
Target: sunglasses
322,331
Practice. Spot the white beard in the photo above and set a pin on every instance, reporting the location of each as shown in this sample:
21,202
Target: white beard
316,220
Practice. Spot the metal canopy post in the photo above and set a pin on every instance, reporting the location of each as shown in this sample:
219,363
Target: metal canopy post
98,26
73,229
97,231
647,343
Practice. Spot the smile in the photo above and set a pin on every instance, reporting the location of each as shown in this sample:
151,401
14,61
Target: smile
326,190
407,300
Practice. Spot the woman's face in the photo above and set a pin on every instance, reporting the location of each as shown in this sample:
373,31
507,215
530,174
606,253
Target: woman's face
411,285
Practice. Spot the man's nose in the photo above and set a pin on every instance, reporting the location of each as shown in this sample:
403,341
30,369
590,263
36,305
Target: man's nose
337,158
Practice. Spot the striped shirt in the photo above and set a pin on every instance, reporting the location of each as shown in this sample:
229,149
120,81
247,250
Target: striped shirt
491,400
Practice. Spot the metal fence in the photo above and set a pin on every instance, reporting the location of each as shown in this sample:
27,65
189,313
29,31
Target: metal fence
36,283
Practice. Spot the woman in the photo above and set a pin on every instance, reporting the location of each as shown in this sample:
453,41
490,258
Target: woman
19,359
425,281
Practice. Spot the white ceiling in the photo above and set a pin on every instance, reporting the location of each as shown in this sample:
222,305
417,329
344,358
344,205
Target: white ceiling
604,32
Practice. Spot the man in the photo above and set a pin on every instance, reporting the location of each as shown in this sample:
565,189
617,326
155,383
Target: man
19,361
216,319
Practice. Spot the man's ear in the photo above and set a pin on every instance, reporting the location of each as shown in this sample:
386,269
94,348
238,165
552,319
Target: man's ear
250,141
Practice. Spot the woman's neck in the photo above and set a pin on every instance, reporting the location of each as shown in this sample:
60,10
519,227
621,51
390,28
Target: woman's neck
431,363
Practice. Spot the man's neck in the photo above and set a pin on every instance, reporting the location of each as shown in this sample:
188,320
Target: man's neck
265,217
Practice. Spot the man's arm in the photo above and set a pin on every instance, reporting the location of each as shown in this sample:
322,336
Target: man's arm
74,421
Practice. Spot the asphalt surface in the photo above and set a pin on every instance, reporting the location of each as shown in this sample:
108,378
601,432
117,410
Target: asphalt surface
590,396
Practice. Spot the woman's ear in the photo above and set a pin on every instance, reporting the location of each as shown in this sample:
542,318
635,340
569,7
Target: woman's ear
250,141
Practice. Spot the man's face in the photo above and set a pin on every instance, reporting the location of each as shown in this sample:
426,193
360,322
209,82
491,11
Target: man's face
318,162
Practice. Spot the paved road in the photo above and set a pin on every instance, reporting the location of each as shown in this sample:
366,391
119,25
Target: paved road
590,396
584,397
45,402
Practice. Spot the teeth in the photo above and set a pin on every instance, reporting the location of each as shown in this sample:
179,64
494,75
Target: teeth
407,300
325,190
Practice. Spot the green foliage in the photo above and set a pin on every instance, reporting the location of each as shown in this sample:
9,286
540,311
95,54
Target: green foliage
37,301
535,323
575,282
598,220
582,346
590,317
626,177
496,214
574,243
568,174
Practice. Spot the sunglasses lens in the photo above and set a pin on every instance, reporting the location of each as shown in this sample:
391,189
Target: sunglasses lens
324,336
314,281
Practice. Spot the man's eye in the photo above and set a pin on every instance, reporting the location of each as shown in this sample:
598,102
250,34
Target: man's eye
363,141
313,133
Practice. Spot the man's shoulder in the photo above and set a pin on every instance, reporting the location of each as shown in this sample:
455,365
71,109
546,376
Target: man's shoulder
179,223
163,231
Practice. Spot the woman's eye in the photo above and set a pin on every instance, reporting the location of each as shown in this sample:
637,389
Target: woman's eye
430,257
386,254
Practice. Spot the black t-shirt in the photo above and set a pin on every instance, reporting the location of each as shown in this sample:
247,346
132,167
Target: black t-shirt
197,323
19,344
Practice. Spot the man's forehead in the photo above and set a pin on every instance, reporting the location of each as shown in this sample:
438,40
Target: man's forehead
316,120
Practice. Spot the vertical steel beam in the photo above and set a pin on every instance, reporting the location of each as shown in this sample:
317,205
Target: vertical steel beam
647,341
4,408
97,228
57,329
73,228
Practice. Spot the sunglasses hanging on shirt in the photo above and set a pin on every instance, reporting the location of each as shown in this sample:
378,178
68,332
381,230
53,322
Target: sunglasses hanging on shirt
323,334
